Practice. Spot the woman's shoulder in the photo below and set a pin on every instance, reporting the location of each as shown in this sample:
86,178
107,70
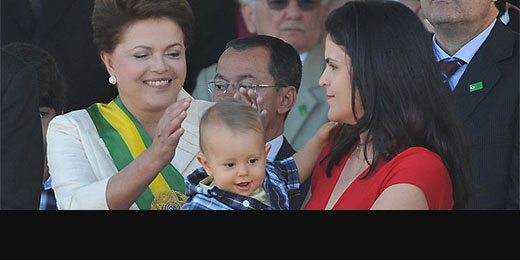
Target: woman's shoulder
72,118
76,124
419,156
425,169
419,166
201,105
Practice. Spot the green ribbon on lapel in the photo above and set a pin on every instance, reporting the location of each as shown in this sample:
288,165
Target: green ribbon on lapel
476,86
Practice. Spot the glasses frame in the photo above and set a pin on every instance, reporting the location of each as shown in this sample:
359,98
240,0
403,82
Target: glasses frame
234,85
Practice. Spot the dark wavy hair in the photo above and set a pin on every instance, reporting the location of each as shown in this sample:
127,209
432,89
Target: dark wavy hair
285,65
406,103
50,79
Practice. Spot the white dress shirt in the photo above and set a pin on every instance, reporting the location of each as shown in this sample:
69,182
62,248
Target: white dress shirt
276,144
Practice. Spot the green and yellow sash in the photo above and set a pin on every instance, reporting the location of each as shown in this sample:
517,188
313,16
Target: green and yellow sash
126,139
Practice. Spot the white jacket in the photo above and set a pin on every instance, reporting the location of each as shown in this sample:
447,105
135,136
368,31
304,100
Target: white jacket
80,164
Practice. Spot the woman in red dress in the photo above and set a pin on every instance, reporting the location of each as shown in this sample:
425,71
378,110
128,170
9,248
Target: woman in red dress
400,144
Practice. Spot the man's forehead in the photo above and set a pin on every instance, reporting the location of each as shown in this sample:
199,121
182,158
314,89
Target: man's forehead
236,65
236,78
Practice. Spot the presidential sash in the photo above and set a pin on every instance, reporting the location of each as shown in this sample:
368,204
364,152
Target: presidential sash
125,140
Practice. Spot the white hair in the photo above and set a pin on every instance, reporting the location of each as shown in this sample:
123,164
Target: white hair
252,3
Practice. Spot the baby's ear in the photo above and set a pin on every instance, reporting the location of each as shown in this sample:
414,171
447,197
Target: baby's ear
205,164
267,149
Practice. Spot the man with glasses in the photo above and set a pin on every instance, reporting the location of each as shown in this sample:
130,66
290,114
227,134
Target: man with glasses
270,70
299,23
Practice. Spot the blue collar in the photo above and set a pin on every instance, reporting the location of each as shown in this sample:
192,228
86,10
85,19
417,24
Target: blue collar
468,51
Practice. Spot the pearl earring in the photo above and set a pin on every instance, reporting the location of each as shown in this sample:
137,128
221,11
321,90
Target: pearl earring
112,80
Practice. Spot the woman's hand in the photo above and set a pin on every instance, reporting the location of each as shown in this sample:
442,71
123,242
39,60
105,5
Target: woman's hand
125,187
169,131
323,134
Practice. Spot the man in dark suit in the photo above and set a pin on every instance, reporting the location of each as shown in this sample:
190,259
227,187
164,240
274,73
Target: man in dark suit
21,142
63,28
274,77
485,85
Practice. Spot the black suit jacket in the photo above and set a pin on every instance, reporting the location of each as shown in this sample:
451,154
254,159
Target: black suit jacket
21,167
513,19
65,31
295,202
490,116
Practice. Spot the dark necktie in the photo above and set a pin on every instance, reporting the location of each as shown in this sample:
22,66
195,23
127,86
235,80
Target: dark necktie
449,66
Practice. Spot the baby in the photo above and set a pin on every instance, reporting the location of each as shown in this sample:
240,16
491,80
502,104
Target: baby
235,173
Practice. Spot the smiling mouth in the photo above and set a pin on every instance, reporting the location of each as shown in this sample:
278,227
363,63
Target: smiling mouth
158,83
243,185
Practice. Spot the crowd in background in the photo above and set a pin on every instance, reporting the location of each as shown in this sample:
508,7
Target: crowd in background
434,92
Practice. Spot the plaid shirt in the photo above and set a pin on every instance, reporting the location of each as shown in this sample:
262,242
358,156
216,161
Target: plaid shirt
281,181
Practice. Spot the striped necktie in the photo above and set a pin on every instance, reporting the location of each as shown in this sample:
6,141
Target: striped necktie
449,66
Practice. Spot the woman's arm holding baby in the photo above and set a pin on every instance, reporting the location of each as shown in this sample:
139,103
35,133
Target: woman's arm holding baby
306,157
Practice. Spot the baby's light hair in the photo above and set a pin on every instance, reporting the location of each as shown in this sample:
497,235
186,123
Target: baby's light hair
234,114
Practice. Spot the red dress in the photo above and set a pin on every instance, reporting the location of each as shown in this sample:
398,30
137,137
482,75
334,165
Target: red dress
416,165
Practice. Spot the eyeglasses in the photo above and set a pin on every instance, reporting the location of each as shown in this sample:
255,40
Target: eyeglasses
305,5
219,88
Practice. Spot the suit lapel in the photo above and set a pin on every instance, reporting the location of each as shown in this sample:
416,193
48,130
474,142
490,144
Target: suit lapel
285,151
309,91
483,70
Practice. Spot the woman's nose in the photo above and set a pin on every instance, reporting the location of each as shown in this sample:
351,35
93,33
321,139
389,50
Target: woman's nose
159,65
323,80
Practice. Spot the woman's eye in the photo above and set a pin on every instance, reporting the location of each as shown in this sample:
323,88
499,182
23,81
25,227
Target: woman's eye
140,55
332,66
173,54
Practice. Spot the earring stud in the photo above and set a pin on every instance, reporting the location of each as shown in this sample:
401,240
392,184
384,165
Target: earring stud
112,80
